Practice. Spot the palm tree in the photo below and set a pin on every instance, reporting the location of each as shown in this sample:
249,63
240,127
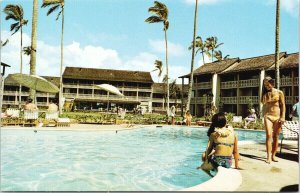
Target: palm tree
201,47
16,13
54,6
161,15
219,56
174,90
277,41
158,66
212,45
191,79
33,44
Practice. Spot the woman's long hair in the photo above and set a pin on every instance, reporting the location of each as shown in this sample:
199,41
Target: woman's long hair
217,120
264,90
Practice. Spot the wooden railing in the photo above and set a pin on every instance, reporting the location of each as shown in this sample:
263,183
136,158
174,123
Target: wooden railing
229,84
229,100
248,99
286,81
202,85
249,83
290,99
296,81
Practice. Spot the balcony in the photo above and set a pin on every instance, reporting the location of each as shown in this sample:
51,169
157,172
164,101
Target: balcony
290,99
229,100
296,83
286,82
70,85
202,85
249,83
248,99
229,84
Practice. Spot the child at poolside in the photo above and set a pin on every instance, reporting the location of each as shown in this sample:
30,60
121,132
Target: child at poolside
188,118
222,144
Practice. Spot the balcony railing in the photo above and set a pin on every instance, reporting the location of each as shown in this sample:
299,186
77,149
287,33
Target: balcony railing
229,100
202,85
286,81
249,83
290,99
296,81
229,84
248,99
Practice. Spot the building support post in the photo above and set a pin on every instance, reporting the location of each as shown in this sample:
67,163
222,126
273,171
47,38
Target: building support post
261,84
182,90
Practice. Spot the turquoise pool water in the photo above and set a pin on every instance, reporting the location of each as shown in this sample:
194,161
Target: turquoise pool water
145,159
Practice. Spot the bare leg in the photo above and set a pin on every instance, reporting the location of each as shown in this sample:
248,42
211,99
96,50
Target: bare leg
268,126
276,131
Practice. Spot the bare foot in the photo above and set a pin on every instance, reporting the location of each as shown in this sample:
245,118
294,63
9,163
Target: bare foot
274,160
268,161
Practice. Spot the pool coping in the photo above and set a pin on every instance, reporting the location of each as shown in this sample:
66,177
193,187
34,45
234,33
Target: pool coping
225,180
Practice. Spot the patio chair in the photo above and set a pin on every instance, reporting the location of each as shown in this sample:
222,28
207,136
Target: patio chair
63,122
51,118
30,117
290,131
13,117
237,119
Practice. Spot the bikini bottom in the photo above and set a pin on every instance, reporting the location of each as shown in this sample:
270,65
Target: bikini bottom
272,118
224,161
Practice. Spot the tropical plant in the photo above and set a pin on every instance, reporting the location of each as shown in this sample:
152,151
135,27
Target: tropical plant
161,15
212,45
174,91
191,79
33,44
158,66
277,41
16,13
54,6
201,47
219,56
27,50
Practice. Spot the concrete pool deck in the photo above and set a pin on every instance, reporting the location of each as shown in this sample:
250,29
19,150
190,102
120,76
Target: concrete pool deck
255,176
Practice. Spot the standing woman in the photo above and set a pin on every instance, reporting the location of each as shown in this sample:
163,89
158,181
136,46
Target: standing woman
274,116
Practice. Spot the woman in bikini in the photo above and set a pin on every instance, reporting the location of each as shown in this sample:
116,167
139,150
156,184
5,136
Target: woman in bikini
222,144
274,116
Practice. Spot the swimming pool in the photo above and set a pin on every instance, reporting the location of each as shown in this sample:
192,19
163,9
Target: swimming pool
145,159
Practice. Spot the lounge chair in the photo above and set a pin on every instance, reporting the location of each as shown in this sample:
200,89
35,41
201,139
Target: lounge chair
290,131
51,118
30,117
63,122
237,119
13,117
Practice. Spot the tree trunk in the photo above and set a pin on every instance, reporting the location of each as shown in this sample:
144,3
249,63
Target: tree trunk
203,56
33,45
61,63
192,62
21,67
277,40
167,72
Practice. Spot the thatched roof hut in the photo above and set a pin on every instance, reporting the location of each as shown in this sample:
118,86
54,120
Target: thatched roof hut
9,81
289,61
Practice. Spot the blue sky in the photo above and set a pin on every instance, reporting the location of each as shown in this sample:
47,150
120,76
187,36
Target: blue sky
113,34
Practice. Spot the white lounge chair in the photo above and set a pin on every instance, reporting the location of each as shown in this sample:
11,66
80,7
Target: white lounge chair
290,131
30,117
51,118
237,119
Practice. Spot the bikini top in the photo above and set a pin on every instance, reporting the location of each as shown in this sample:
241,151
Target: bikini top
272,96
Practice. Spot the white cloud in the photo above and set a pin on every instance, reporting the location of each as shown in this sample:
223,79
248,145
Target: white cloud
290,6
173,48
207,2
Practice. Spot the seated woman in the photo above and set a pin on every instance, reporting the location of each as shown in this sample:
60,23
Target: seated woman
188,118
223,141
251,118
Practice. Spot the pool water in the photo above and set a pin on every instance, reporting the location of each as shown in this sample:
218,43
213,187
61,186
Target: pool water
145,159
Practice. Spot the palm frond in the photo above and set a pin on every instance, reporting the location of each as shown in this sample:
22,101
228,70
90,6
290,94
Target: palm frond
52,9
153,19
16,29
166,25
14,26
4,43
11,16
58,15
27,50
159,66
165,79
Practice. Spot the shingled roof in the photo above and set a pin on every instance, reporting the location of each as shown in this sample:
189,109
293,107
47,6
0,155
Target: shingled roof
107,74
213,67
254,63
9,81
